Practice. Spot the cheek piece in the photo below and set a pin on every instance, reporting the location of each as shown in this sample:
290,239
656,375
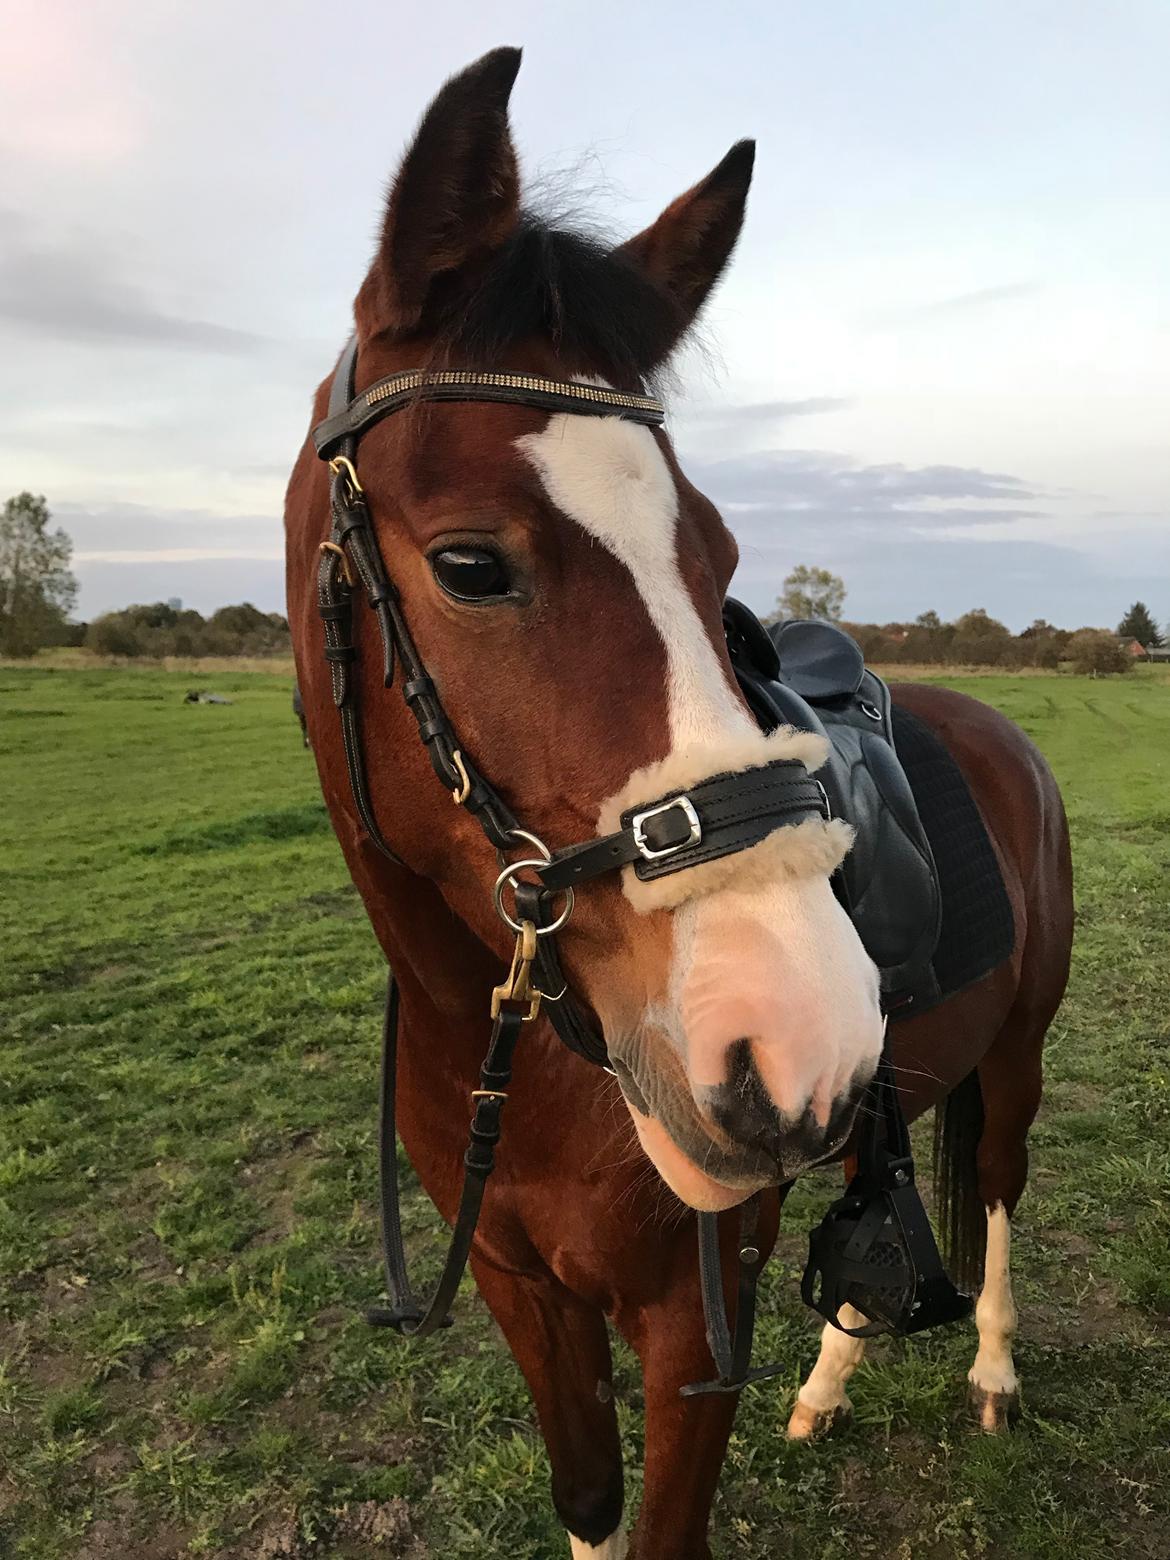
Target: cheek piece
719,815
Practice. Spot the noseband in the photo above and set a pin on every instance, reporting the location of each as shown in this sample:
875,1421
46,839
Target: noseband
718,816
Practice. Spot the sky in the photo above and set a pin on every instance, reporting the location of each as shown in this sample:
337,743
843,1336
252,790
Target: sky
939,364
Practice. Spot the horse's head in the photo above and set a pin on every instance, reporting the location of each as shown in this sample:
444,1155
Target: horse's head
563,582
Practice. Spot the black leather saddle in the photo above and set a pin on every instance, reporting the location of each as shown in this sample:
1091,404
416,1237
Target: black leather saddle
813,676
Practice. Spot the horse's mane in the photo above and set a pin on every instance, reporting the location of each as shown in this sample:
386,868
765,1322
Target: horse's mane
601,312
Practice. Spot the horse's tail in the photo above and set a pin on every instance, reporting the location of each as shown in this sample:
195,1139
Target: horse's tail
962,1221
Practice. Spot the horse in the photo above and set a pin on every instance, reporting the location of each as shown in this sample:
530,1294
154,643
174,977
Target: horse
563,582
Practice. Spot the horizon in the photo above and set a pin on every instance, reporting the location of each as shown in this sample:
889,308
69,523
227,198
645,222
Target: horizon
932,368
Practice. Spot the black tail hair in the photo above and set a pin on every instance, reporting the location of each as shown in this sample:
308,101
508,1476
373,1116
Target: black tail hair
962,1221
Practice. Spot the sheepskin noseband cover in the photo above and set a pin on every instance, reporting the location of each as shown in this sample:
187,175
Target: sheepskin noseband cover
738,813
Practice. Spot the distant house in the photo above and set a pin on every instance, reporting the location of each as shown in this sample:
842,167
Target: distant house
1133,647
1158,653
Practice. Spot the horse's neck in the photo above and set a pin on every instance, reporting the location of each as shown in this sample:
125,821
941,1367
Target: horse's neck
445,974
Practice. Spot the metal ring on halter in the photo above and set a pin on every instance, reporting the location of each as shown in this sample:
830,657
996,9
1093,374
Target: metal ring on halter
508,875
529,839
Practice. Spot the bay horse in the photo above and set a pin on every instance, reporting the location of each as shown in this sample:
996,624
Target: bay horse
563,581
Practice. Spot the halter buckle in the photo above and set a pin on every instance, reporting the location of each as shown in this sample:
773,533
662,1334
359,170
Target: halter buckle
340,552
681,804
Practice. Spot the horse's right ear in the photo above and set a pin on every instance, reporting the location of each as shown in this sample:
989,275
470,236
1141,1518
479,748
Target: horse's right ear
456,197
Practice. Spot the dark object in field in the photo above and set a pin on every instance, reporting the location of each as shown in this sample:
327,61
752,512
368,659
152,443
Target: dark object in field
299,712
198,696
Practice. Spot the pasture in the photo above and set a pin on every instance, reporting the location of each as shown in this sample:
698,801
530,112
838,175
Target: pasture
189,1004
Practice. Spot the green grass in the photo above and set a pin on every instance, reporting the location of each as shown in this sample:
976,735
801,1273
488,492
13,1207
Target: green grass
188,1013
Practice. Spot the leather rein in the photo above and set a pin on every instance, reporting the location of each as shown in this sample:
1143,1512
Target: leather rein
719,816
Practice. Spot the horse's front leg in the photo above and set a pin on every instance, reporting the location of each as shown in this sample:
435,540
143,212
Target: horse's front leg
686,1438
562,1347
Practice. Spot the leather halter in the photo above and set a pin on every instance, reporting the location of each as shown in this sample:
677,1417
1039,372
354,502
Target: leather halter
719,816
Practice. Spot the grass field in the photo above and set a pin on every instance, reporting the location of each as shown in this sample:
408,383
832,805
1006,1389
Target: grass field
188,1012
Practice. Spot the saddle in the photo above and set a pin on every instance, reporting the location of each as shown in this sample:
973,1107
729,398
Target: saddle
812,675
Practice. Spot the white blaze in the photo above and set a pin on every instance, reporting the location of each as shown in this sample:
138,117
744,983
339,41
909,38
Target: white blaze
611,478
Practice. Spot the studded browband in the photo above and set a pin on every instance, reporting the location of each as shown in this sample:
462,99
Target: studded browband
459,384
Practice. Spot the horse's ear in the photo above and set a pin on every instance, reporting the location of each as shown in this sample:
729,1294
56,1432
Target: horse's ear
686,250
456,197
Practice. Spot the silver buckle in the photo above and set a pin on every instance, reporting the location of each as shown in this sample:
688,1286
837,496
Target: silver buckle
683,803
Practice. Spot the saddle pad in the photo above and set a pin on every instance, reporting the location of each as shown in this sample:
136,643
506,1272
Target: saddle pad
978,929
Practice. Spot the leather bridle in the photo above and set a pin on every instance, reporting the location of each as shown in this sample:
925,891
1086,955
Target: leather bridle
718,816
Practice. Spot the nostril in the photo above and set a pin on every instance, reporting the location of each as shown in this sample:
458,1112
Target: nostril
742,1108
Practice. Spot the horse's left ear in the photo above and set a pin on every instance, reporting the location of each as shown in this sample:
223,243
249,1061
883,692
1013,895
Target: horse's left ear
686,250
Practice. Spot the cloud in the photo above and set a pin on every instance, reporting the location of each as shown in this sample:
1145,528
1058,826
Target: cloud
980,298
766,488
72,289
115,532
772,411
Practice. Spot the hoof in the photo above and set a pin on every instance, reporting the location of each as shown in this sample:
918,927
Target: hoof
810,1424
994,1411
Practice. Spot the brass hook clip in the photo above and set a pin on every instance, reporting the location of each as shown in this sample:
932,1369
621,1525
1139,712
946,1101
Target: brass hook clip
463,790
518,987
342,467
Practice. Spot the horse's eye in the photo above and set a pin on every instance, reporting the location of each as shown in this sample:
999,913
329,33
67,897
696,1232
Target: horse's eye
470,573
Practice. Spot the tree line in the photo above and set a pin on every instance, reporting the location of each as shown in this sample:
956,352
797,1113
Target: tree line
38,591
160,630
975,639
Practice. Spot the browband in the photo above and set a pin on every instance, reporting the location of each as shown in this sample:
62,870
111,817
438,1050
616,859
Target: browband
459,384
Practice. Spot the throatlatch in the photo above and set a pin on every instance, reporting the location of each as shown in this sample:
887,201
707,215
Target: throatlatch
716,816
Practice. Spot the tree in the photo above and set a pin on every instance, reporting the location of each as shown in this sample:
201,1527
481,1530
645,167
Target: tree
37,588
980,640
812,593
1138,624
1095,650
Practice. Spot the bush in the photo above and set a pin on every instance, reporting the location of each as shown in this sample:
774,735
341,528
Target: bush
159,630
1093,651
113,634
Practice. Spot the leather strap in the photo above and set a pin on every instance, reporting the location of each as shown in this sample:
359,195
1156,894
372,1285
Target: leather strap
716,817
406,1314
732,1353
348,419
